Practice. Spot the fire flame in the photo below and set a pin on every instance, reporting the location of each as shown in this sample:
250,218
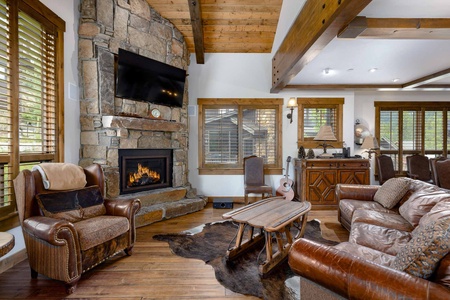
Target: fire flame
142,172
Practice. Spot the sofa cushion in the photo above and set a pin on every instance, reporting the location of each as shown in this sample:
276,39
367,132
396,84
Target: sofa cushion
420,203
373,255
421,256
73,205
347,207
380,218
386,240
391,192
440,211
97,230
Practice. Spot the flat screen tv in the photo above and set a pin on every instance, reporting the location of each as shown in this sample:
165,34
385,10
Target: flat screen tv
144,79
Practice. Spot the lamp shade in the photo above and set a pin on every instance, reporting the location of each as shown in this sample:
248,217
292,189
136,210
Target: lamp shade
370,142
325,134
292,103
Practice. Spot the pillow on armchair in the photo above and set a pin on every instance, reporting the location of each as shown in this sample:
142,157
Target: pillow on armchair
73,205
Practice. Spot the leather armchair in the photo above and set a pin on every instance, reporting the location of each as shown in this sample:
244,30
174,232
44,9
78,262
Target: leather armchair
63,250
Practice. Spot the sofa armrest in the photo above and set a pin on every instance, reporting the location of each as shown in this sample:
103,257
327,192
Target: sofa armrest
124,208
56,232
356,191
356,278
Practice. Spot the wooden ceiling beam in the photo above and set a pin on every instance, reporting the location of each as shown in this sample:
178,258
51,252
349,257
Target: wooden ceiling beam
315,27
195,11
420,82
397,28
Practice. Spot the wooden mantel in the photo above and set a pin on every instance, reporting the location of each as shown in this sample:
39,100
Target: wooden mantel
141,124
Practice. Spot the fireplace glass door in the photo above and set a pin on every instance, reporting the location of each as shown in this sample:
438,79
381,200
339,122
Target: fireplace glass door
144,169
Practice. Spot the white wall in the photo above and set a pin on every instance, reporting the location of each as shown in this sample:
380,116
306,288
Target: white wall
69,12
244,76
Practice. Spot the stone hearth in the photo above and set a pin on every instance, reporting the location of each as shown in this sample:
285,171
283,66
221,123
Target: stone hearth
109,123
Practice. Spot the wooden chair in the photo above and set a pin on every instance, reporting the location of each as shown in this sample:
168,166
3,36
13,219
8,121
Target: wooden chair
443,173
254,178
385,168
434,176
418,167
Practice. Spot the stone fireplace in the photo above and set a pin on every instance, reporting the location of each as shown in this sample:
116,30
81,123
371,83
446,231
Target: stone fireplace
110,124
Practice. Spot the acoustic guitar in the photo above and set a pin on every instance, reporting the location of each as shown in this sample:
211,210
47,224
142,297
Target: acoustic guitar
285,188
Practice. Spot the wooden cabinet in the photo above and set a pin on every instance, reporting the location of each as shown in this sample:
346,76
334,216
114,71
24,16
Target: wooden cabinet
316,179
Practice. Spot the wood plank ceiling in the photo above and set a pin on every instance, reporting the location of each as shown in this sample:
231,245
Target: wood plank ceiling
228,26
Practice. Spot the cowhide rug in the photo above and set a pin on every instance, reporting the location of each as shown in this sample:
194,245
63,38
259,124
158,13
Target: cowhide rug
210,242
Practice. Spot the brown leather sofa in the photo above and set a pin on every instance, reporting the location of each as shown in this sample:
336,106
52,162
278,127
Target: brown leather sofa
64,244
365,266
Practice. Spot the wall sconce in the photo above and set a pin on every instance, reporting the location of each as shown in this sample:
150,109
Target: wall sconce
291,104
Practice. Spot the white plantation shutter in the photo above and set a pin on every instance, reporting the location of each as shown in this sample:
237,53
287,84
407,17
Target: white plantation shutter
316,117
412,128
6,202
259,133
37,93
30,100
221,136
231,129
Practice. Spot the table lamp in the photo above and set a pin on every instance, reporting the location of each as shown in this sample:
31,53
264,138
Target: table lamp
325,134
370,143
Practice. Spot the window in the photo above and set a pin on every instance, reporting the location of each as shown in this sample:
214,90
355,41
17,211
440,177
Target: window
31,91
231,129
412,128
315,112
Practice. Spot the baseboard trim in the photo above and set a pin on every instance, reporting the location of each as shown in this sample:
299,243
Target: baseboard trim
12,260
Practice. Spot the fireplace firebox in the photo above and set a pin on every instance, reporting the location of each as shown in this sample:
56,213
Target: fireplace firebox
145,169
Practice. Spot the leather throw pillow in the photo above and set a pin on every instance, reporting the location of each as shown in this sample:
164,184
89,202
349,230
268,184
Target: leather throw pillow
391,192
73,205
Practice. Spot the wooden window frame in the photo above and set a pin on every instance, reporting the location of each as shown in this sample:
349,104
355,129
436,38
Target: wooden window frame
55,25
335,103
256,103
421,107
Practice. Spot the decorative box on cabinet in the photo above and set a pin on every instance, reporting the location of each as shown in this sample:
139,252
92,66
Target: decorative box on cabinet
316,179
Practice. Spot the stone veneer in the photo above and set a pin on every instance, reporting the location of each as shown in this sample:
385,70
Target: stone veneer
109,123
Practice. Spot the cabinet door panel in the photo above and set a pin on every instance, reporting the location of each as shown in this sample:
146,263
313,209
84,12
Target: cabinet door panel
353,176
321,185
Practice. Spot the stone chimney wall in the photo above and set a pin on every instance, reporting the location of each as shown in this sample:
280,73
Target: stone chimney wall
105,26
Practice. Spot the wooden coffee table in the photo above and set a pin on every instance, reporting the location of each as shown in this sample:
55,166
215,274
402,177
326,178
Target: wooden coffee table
272,216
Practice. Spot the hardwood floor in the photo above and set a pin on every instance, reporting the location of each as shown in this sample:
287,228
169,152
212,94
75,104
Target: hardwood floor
152,272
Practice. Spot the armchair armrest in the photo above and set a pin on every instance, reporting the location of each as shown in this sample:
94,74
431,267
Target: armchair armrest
356,191
355,278
54,231
124,208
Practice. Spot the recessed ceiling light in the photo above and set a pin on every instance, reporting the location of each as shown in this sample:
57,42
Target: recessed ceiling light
327,71
396,80
349,70
373,70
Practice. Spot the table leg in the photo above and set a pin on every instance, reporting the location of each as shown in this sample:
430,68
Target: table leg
242,247
272,259
302,219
